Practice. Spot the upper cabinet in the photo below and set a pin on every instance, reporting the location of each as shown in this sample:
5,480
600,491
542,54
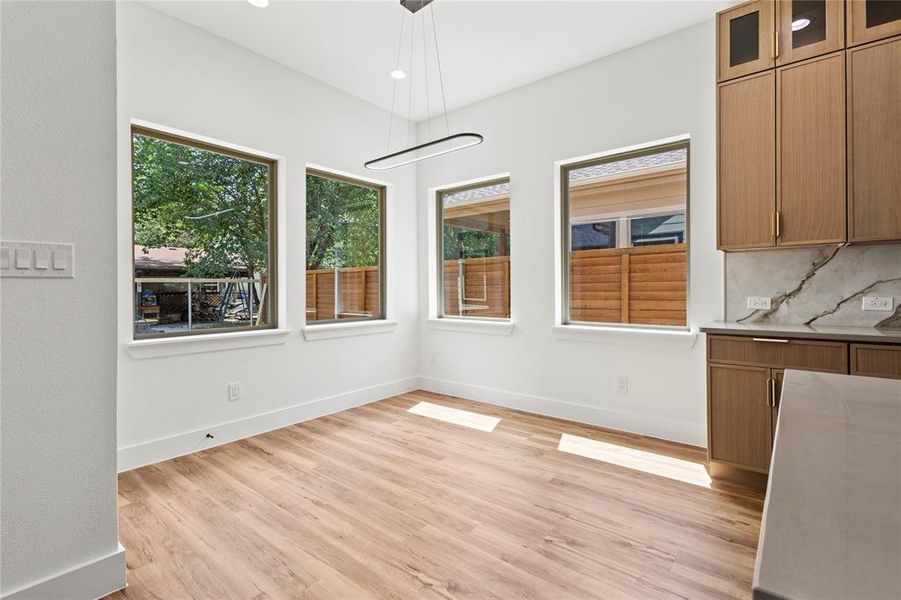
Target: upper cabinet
808,28
745,39
874,141
871,20
808,135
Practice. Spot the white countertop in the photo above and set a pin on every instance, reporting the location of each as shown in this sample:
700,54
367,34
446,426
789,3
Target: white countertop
844,334
832,517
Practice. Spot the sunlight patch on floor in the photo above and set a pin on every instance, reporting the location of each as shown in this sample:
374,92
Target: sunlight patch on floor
639,460
455,416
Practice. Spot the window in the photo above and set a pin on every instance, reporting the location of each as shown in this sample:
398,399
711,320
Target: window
345,249
625,243
203,233
474,251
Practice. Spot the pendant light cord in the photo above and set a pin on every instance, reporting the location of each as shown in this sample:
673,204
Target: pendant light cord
440,75
400,39
428,96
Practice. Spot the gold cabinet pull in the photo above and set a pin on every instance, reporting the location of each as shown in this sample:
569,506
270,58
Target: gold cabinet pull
770,340
775,45
773,392
769,391
778,219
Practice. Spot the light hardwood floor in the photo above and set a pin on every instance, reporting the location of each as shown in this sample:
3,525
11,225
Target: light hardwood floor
376,502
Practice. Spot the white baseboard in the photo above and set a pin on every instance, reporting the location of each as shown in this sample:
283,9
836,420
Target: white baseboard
139,455
89,581
685,432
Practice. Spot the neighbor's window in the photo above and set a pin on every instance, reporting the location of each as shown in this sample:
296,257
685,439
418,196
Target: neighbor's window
345,249
625,238
474,246
204,223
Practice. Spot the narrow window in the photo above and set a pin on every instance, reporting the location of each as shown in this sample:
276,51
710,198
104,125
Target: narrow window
625,238
474,250
345,249
203,233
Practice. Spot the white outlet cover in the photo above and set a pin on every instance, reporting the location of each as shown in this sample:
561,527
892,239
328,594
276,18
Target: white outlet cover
885,303
759,303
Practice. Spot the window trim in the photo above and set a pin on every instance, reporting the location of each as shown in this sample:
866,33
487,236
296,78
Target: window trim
382,189
438,199
564,167
272,267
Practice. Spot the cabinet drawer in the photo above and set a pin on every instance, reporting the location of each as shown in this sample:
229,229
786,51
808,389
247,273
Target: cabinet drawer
873,360
778,353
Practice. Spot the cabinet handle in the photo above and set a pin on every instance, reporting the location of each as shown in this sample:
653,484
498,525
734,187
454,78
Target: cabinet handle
773,392
770,340
769,391
775,45
778,224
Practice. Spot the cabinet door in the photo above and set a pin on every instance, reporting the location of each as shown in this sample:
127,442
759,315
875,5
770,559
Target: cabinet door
808,28
776,377
810,126
739,416
876,360
874,141
870,20
745,39
746,165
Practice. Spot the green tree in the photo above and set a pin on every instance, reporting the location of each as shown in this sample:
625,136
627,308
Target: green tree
460,242
214,205
342,224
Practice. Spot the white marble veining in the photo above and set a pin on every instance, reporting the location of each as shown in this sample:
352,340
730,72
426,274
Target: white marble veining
815,286
832,518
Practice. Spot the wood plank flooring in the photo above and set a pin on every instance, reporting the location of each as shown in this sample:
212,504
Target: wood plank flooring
376,502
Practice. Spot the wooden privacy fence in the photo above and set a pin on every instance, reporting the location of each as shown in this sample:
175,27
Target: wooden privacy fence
358,293
485,290
644,285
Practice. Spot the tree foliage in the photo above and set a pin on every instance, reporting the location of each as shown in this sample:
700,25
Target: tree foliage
174,184
460,242
342,224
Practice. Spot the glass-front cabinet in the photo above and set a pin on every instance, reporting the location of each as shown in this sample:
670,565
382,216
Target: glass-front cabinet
745,39
808,28
871,20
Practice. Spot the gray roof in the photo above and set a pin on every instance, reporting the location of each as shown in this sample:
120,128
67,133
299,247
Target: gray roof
629,164
602,170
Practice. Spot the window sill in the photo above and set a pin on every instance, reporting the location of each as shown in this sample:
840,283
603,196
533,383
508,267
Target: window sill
471,326
330,331
213,342
628,336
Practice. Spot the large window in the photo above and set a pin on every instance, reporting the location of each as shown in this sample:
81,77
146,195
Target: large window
625,243
474,246
204,242
345,249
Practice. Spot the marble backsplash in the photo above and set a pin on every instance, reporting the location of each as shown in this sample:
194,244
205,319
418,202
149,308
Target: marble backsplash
815,286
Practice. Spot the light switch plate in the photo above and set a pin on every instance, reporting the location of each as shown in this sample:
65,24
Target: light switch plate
46,260
878,303
759,303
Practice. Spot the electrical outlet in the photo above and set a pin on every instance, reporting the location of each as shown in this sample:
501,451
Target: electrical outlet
759,303
622,384
878,303
234,392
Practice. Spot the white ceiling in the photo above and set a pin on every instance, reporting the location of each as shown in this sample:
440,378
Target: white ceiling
486,47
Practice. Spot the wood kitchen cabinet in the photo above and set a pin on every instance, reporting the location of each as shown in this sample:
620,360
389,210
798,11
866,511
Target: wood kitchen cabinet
874,141
745,39
746,166
810,152
781,162
876,360
820,29
870,20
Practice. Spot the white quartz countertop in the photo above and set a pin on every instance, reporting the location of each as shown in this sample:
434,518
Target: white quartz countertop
832,517
844,334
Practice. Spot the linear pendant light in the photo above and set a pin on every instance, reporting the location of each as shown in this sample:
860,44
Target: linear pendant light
434,147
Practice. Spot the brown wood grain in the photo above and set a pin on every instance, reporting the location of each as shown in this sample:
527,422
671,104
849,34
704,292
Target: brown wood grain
811,151
874,141
765,59
876,360
375,502
858,32
809,355
739,415
746,165
835,33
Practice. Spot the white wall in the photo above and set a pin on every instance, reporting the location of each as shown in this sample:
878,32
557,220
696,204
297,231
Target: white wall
176,75
657,90
58,507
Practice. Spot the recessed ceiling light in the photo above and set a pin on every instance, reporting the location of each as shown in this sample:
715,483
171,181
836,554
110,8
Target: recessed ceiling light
259,3
398,74
799,24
